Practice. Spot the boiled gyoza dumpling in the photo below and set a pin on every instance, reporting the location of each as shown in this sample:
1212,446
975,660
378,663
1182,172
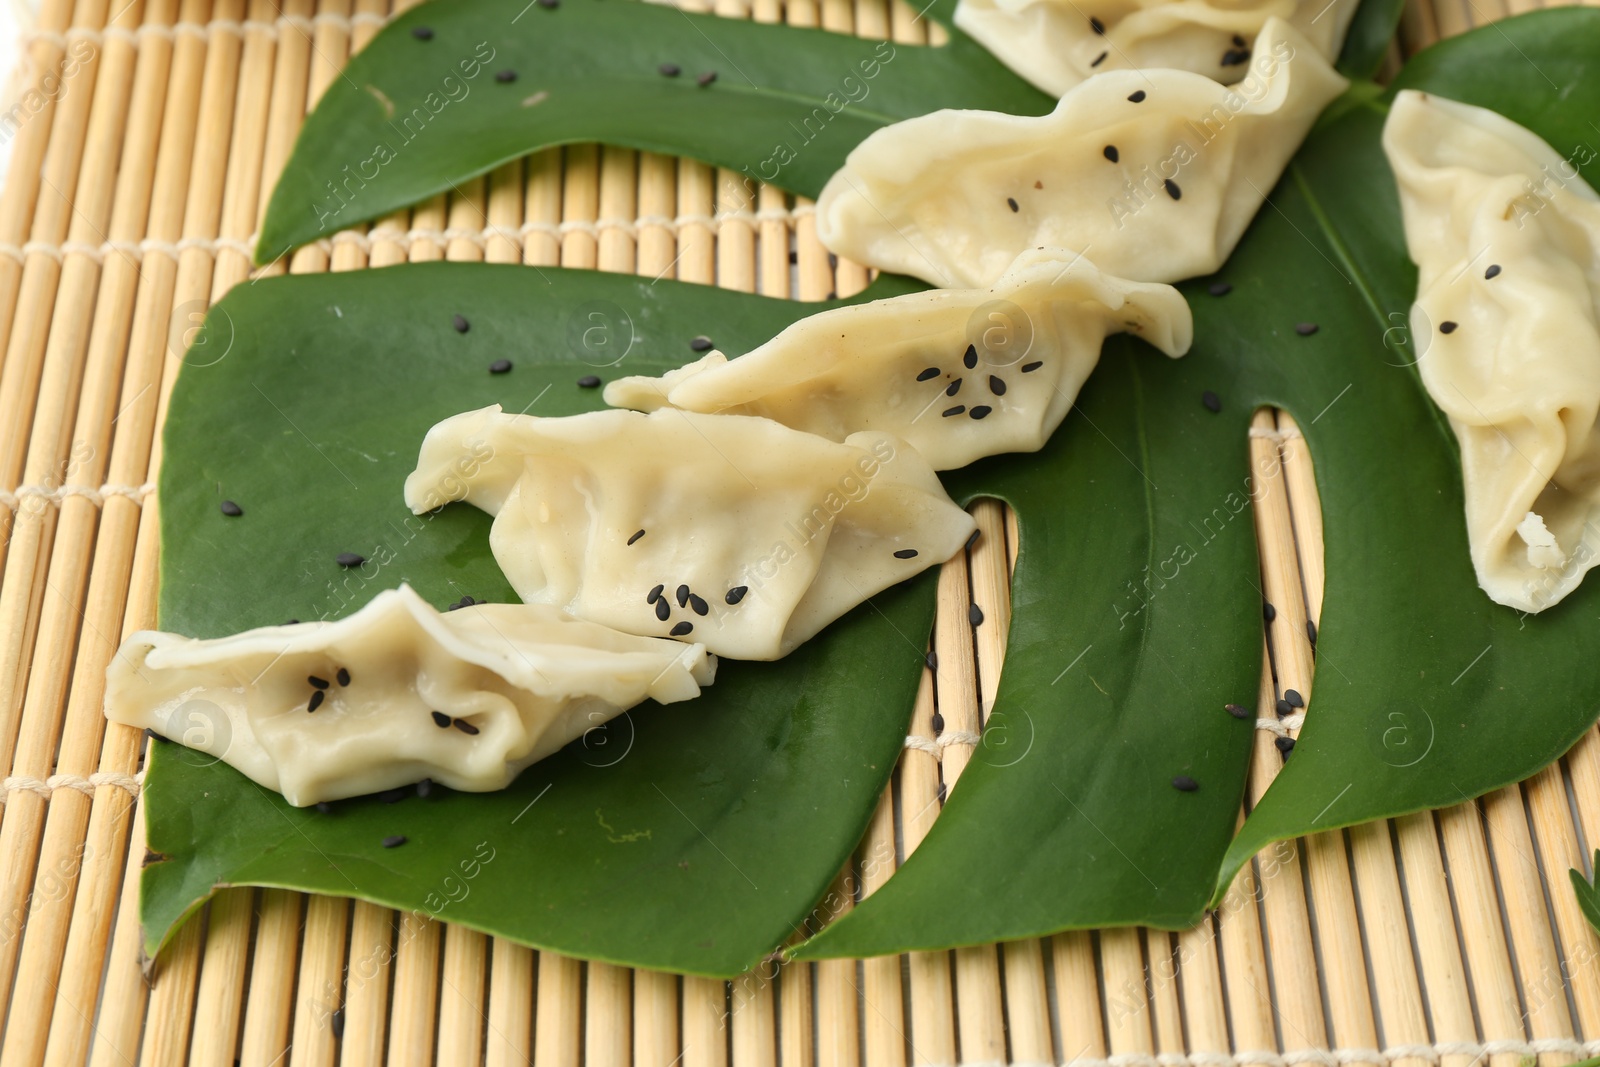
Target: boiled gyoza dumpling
395,693
959,374
1153,175
1506,237
732,531
1056,44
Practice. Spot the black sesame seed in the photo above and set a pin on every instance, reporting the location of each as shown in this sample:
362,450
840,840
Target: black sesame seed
392,796
1238,711
425,787
504,76
701,343
1110,152
905,553
1238,41
319,683
1172,189
440,719
324,807
972,539
975,615
460,323
1294,698
1235,56
663,609
969,359
1184,784
317,697
682,595
1268,612
1096,25
1285,744
931,372
953,388
393,841
932,661
698,605
1447,327
336,1023
1219,289
655,594
422,33
349,559
958,409
670,70
465,727
232,510
938,721
682,628
343,677
500,366
1311,631
980,412
1306,329
1212,401
1137,97
1282,707
635,537
1492,272
589,381
1099,59
736,594
1029,368
706,79
1012,204
997,385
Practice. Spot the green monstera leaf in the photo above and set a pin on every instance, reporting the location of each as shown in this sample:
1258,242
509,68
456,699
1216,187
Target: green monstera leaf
421,108
693,837
707,845
1409,649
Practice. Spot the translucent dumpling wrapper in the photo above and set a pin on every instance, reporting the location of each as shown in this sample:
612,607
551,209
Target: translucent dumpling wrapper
1056,44
395,693
1506,237
1153,174
723,529
959,374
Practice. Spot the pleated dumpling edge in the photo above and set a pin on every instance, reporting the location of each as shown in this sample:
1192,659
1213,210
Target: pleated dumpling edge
1505,233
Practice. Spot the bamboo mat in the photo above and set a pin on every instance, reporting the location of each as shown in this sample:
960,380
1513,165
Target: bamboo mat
134,190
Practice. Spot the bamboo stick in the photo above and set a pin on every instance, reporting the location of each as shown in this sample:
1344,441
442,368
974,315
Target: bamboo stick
366,988
1126,993
1294,967
1483,939
413,1004
1534,954
511,996
558,1019
319,998
705,1023
883,1017
275,951
795,1048
1556,835
655,1019
838,1009
117,1025
221,989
